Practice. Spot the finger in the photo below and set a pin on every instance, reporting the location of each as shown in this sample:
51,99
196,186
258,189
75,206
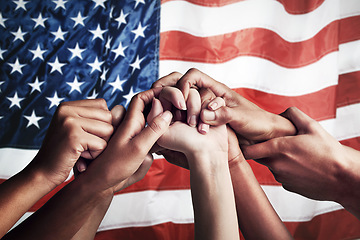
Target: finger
222,115
156,109
93,103
169,80
92,146
206,95
151,133
117,113
193,107
196,78
80,166
143,169
172,96
216,103
270,148
97,128
302,122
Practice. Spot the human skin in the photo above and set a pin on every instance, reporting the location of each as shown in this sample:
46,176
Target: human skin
252,205
312,163
78,128
126,155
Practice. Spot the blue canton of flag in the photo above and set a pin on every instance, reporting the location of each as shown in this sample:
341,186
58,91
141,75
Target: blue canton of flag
63,50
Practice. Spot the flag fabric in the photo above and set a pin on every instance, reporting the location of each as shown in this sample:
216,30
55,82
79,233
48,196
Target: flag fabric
275,53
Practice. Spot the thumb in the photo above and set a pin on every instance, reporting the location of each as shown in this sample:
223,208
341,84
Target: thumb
217,117
302,122
155,129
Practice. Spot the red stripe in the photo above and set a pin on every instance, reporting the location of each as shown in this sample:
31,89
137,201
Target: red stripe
329,226
257,42
291,6
349,29
348,91
323,227
162,231
319,105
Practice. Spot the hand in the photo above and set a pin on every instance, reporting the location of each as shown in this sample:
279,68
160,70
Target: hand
78,129
183,138
311,163
127,152
248,120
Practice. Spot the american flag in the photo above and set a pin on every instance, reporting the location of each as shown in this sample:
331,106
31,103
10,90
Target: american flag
275,53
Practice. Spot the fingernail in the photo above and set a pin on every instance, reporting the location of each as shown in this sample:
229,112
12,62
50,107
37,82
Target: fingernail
208,115
81,166
204,128
213,105
166,116
182,105
192,121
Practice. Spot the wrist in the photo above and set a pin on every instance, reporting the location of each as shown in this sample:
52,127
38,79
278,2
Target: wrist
349,181
207,160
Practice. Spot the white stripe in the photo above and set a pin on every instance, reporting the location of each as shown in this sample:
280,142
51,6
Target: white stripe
209,21
293,207
349,57
346,125
150,208
264,75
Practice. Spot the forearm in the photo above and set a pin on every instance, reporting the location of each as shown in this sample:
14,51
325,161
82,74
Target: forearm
64,214
213,199
348,192
256,216
18,194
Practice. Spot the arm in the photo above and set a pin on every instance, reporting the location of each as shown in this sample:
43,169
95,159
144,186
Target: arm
128,148
248,120
58,154
312,163
211,188
257,218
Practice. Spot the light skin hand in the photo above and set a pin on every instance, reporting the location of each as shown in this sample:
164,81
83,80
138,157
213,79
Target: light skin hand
312,163
212,193
248,120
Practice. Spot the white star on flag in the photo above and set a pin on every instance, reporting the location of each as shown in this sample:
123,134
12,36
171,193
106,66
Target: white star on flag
75,85
138,1
121,19
99,3
136,64
95,65
117,85
59,34
93,95
78,20
19,34
76,52
60,3
55,100
119,51
1,53
15,100
2,20
56,66
40,21
129,96
98,33
139,31
33,120
16,66
36,85
20,4
38,53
